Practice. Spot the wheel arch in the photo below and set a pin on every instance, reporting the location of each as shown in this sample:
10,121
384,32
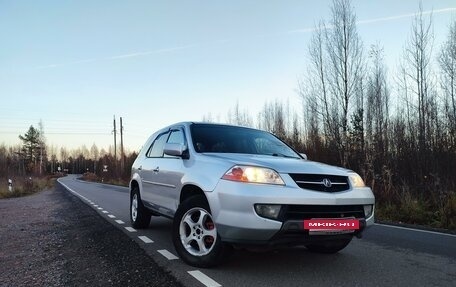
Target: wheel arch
134,184
190,190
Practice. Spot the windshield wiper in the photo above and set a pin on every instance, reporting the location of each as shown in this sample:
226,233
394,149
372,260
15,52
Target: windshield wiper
283,155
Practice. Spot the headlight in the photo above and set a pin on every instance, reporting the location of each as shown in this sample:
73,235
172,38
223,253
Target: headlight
356,180
253,174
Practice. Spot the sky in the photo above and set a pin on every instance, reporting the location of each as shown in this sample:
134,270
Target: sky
75,65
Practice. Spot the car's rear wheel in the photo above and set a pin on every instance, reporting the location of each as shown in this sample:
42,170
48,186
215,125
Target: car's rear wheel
139,215
195,234
328,247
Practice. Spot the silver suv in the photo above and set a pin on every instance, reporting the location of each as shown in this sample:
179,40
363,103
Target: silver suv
228,186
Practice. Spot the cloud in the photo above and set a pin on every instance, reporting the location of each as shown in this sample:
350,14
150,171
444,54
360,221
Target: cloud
223,41
118,57
377,20
409,15
146,53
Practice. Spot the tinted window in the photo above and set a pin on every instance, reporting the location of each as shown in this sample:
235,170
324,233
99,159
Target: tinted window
156,150
228,139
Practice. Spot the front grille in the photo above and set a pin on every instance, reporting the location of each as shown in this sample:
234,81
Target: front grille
301,212
335,183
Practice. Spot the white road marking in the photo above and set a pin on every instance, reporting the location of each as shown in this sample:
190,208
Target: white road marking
168,255
203,278
111,216
419,230
104,211
131,229
146,239
120,221
99,208
95,205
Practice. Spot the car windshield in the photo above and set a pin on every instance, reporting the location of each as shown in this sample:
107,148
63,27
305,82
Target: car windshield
210,138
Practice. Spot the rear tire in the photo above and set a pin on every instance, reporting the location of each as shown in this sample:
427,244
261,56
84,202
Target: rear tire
139,215
195,234
329,247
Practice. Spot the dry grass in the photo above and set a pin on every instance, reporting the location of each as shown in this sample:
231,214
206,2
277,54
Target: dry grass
412,209
23,186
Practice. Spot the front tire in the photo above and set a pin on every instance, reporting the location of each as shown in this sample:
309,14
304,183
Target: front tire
139,215
195,234
328,247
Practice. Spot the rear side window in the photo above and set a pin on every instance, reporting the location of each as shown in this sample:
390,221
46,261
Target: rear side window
156,149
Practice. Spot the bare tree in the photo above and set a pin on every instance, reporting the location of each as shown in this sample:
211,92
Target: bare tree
345,51
377,117
273,118
377,107
447,62
336,74
64,154
418,70
239,117
419,88
95,155
314,89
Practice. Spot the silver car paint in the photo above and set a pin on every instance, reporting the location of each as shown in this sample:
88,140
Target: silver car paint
232,203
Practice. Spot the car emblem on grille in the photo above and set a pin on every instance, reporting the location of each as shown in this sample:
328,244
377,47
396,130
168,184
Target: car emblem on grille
326,182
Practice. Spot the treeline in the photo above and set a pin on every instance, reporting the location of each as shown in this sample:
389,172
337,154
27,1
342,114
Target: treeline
34,158
397,130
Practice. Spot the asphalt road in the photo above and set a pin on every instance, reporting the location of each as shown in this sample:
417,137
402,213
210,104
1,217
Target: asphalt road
386,256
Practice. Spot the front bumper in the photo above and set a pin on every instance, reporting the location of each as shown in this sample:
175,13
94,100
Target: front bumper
232,206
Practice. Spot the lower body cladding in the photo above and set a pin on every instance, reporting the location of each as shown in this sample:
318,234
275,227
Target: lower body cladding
252,214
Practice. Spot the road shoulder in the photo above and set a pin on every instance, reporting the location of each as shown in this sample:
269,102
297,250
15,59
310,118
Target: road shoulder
53,239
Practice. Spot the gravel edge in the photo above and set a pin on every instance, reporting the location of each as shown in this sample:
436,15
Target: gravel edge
53,239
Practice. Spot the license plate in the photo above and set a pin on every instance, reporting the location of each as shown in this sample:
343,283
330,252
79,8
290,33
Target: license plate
331,225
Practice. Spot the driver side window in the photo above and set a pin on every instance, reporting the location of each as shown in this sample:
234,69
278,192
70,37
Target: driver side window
156,150
177,136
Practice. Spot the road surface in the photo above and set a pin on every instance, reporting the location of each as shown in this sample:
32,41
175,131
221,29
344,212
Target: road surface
386,256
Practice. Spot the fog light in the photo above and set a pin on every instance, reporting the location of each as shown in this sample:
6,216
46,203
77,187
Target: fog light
268,210
368,210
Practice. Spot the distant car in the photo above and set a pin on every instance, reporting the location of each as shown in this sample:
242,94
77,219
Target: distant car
226,186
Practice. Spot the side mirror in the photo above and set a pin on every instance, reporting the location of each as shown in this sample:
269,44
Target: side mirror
304,156
174,149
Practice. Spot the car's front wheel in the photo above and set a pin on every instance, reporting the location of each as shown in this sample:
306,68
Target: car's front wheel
139,215
195,234
328,247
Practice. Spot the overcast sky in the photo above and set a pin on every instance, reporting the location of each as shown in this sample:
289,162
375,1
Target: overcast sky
75,64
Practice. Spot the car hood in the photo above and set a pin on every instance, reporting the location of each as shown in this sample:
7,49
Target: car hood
279,164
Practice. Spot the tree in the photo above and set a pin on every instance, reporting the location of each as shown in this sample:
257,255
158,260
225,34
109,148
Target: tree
273,118
335,76
95,154
345,52
417,84
377,114
31,148
239,117
447,63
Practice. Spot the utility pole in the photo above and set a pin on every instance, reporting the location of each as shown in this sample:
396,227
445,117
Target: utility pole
122,158
115,145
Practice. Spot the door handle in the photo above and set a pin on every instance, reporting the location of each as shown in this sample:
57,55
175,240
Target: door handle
140,168
157,169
